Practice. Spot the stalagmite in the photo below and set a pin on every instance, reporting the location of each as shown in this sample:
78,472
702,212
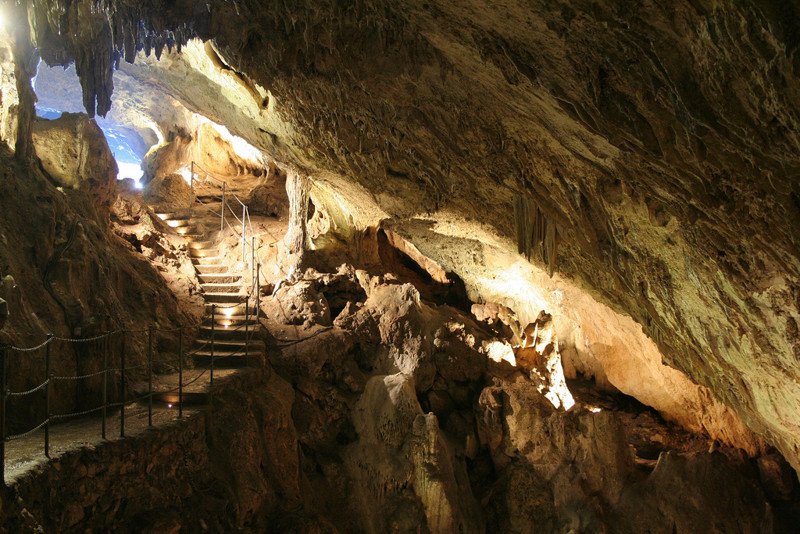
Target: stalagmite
26,59
297,189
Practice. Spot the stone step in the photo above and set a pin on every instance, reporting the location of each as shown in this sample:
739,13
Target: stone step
207,255
234,319
204,269
236,332
227,311
179,223
199,243
220,278
222,287
224,298
229,345
174,215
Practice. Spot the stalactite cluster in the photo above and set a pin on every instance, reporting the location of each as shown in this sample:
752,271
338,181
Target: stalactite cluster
537,236
97,35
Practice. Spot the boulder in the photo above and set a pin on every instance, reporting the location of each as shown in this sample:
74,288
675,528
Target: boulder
75,153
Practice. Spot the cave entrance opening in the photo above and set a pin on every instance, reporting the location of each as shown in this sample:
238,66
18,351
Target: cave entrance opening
58,91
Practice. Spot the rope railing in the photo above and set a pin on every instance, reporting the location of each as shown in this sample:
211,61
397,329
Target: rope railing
112,346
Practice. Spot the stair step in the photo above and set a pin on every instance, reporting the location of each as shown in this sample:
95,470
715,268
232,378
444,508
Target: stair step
226,310
222,333
221,278
209,259
221,287
229,345
206,254
228,325
204,269
174,215
203,243
233,320
229,352
224,298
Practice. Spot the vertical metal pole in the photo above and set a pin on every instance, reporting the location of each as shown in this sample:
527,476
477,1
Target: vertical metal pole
47,391
258,291
3,354
105,386
246,333
253,262
222,211
244,235
213,331
180,372
150,376
122,386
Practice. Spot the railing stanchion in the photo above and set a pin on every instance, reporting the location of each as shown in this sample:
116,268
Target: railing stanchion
213,332
222,211
105,387
122,386
252,261
257,303
3,393
246,331
47,391
150,376
244,234
180,372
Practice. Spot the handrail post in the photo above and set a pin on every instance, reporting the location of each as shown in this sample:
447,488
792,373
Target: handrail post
180,372
222,210
47,390
253,263
257,309
122,386
105,388
150,376
246,332
213,332
3,393
244,234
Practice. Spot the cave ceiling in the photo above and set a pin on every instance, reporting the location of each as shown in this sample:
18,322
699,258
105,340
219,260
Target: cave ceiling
656,142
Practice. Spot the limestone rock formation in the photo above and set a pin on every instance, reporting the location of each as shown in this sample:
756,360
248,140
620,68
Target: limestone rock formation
660,176
75,154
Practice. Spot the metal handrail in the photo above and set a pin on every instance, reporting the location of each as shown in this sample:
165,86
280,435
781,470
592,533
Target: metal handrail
124,395
245,221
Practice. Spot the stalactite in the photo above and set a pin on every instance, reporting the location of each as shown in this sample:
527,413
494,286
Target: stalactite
537,236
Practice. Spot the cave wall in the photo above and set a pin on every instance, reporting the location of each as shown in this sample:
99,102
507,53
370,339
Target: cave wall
667,169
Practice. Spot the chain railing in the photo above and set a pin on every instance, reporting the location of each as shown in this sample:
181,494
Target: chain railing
38,400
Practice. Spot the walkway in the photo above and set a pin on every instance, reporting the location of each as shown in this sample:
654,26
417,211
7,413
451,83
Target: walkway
229,338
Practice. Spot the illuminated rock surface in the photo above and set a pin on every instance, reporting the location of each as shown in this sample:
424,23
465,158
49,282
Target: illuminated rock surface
629,171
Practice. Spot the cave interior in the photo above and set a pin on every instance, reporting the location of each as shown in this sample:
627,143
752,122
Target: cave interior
408,266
